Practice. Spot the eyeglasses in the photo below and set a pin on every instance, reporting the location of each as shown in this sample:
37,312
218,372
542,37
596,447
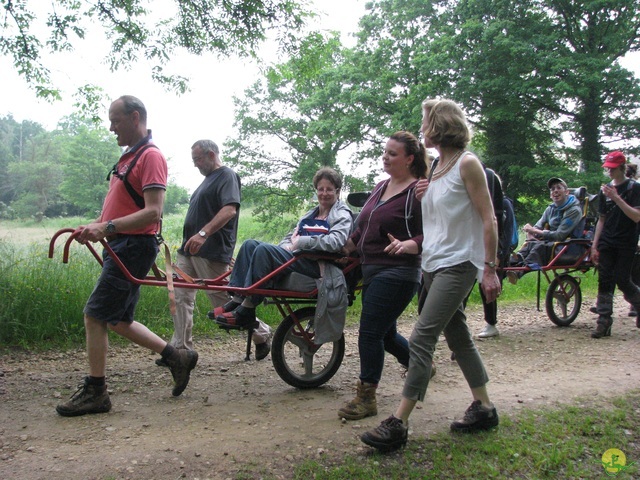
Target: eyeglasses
328,191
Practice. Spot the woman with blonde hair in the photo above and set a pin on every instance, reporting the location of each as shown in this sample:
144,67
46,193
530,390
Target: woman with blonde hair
459,247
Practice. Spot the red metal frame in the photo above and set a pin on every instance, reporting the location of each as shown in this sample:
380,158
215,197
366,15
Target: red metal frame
281,298
582,264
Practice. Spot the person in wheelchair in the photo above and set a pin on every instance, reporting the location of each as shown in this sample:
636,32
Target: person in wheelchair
323,228
559,221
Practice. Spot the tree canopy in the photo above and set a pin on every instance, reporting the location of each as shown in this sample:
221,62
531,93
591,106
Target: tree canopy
141,29
540,80
60,173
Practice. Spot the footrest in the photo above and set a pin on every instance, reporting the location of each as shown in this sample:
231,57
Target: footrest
226,326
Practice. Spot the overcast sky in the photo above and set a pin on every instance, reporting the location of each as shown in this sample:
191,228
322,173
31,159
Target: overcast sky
177,121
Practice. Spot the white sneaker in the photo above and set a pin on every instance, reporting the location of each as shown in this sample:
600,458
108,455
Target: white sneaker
489,331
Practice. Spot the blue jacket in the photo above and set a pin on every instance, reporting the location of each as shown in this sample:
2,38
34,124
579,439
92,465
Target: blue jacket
558,223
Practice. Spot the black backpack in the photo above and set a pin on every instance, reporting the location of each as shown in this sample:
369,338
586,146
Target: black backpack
505,217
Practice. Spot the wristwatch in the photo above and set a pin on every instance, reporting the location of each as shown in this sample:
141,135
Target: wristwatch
490,264
202,233
111,228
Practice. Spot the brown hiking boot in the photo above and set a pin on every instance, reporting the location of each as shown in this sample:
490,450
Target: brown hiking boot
476,418
390,435
181,364
87,399
364,405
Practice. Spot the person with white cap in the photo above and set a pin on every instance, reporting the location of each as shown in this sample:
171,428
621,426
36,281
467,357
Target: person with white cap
615,241
557,223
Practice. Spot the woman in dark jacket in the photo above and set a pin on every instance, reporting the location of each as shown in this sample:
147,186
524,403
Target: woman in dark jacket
388,238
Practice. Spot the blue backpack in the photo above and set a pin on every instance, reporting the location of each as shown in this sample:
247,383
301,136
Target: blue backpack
509,239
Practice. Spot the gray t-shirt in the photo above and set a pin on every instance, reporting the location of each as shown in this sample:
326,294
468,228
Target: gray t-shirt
221,187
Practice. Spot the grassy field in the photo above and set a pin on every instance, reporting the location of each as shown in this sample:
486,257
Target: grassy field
43,298
565,443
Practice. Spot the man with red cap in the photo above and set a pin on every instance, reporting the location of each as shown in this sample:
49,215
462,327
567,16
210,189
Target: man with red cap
615,240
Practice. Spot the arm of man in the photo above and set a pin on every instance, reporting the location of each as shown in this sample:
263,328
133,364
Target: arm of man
150,214
568,224
224,215
595,255
476,184
535,232
630,211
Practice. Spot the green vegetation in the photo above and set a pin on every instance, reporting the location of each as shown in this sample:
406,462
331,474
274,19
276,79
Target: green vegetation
138,31
566,443
61,173
43,298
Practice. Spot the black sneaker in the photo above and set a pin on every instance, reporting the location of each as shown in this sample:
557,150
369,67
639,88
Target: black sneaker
181,365
390,435
161,362
263,349
87,399
602,330
476,418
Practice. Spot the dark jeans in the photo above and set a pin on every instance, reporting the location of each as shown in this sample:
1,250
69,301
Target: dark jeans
536,252
383,301
257,259
614,268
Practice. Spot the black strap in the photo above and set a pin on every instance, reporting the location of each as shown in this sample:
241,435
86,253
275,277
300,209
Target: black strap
137,198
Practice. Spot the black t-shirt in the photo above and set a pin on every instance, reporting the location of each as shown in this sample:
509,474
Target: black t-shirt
619,231
221,187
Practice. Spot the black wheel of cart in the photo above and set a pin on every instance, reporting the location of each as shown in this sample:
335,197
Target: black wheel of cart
563,300
299,362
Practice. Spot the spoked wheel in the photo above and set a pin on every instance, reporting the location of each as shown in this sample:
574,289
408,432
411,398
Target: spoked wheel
564,299
299,362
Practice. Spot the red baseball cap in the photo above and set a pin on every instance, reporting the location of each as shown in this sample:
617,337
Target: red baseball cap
614,159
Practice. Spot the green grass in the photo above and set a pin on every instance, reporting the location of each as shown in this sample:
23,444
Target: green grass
567,442
43,299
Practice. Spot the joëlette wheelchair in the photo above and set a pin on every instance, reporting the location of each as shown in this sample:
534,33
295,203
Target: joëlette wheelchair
569,261
296,358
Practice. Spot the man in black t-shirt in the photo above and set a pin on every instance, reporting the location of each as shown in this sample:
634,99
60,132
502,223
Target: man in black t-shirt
615,241
208,242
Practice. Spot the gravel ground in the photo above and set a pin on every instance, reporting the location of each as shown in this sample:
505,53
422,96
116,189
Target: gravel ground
239,418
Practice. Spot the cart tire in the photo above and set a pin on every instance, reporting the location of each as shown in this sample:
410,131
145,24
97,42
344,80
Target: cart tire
296,363
564,299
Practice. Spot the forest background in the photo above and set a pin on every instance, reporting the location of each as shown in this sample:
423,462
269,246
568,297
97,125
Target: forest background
549,87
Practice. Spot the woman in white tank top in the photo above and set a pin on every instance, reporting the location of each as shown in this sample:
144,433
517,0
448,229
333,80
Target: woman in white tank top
459,246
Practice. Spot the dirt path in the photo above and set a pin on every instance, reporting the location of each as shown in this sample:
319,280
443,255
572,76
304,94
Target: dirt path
239,419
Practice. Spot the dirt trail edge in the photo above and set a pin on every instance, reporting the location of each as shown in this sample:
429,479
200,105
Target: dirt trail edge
239,418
